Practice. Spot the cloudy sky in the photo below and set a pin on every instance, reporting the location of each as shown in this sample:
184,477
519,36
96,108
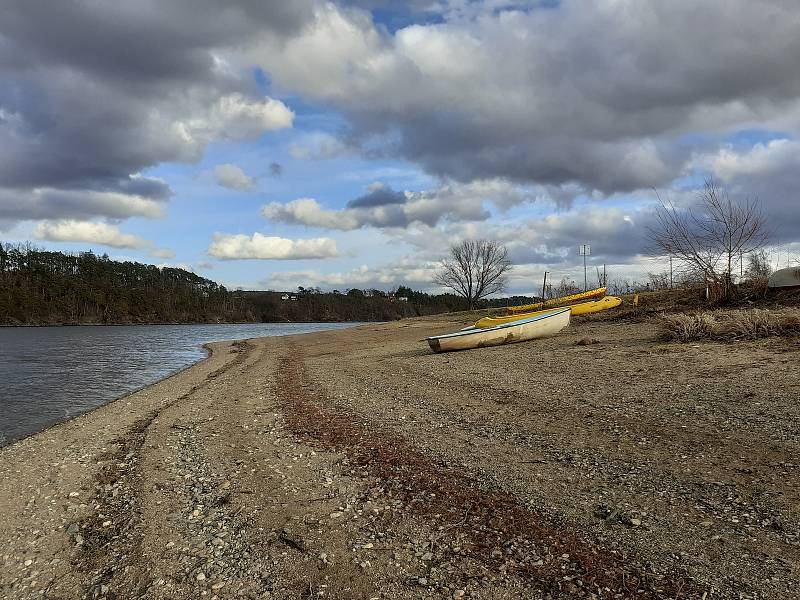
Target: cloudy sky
270,144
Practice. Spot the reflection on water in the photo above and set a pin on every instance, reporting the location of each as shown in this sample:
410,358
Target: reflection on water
49,374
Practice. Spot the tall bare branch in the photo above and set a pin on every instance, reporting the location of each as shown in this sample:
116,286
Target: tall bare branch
712,239
475,269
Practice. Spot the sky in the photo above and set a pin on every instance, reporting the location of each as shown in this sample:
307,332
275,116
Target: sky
267,144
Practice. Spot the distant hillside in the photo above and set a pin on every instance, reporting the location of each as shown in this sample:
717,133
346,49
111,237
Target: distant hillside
40,287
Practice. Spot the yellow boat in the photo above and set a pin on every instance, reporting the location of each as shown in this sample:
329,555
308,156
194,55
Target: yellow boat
584,308
526,308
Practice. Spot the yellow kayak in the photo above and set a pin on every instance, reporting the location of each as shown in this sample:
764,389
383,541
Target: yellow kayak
584,308
526,308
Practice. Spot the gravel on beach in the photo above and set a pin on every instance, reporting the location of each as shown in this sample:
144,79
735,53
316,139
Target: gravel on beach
358,464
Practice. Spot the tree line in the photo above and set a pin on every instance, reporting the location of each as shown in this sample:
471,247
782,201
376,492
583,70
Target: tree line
41,287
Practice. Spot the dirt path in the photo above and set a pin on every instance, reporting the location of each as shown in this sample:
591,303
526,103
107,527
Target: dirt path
356,464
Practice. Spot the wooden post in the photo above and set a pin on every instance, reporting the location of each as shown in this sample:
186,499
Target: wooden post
544,286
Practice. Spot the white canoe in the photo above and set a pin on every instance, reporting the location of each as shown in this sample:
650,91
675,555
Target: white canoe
785,278
532,328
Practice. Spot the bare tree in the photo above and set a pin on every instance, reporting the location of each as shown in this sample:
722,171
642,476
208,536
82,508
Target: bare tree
712,239
758,265
475,269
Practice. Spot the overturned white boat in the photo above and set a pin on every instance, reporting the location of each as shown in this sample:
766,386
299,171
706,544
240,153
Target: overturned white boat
785,278
538,326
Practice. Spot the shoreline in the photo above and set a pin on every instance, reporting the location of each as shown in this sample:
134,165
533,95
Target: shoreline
207,347
359,461
183,323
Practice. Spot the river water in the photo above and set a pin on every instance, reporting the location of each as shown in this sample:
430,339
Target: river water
50,374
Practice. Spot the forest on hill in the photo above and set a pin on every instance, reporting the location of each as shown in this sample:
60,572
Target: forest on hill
40,287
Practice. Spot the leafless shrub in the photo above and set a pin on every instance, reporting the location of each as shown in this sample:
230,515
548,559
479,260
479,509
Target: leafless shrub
729,325
710,241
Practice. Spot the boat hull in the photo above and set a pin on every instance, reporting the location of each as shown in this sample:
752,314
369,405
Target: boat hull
584,308
786,279
526,308
535,327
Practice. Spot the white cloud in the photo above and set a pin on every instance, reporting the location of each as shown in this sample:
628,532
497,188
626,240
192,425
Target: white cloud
48,203
318,146
258,246
728,163
407,271
232,117
307,211
233,177
95,233
498,92
383,207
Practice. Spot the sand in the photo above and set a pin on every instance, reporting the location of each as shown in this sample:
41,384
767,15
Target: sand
357,464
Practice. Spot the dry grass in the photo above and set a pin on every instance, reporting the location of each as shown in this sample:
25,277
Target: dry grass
730,325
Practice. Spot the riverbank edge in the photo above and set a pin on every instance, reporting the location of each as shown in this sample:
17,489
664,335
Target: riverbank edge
208,347
133,323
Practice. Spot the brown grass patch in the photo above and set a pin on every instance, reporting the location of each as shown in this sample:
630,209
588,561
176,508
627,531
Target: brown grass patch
730,325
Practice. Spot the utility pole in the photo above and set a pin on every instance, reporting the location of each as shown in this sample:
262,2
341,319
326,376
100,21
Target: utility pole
544,285
670,271
741,265
585,250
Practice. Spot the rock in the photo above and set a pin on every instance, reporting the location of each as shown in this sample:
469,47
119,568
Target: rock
636,522
107,523
422,581
587,341
336,514
427,556
217,585
200,576
78,539
459,594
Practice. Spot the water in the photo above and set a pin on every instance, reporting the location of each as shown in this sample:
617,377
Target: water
50,374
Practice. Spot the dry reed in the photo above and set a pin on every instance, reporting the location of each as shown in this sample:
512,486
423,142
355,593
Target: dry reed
730,325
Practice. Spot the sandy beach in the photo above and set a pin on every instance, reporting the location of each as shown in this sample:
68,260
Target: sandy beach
357,464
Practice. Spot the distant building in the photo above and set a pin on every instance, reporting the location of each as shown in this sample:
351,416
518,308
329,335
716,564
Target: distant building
403,299
285,297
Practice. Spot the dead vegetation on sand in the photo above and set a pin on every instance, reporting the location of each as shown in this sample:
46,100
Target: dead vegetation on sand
729,325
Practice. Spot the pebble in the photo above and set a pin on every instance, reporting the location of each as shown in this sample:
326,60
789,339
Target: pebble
217,585
336,514
459,594
201,576
106,523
